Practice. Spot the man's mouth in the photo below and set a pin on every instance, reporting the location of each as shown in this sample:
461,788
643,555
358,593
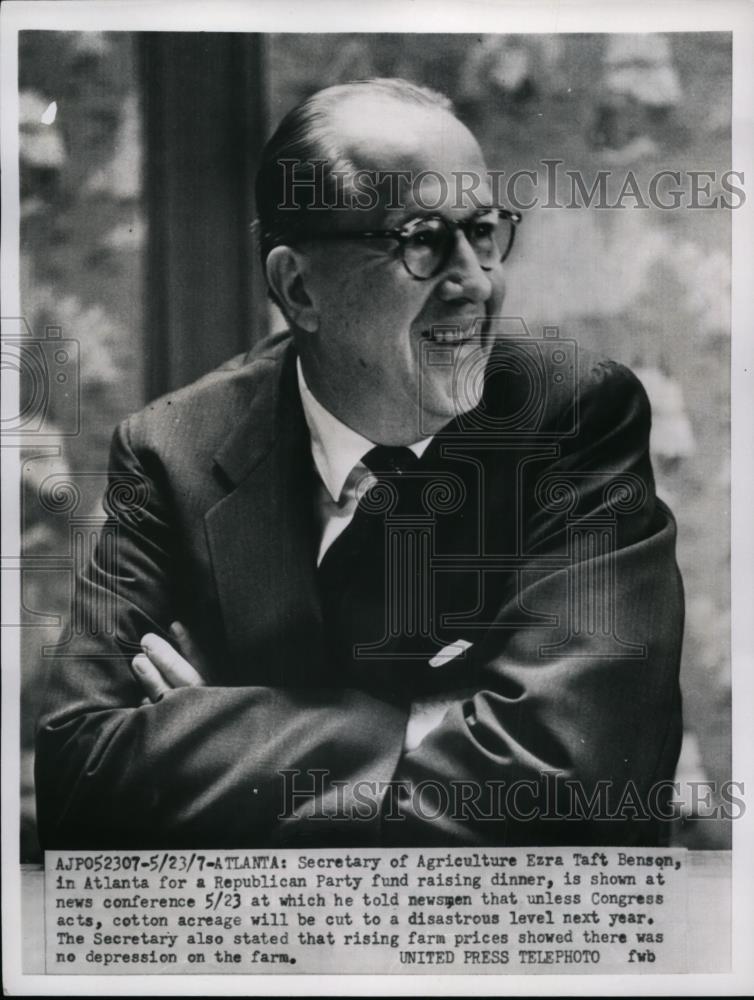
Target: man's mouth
459,329
448,335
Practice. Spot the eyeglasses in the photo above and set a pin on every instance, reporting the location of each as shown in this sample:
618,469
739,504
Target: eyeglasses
427,242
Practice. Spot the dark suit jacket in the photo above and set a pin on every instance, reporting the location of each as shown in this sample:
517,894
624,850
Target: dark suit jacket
557,564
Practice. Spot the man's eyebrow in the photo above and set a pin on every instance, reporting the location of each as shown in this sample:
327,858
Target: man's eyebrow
432,213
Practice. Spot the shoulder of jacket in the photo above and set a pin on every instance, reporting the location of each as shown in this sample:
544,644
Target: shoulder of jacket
218,397
602,377
550,381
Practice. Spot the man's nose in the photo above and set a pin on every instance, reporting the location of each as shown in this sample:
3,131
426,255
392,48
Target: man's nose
465,277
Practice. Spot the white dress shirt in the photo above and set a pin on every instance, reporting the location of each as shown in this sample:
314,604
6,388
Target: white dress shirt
337,451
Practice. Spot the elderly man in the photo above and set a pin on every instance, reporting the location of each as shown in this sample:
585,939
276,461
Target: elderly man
397,576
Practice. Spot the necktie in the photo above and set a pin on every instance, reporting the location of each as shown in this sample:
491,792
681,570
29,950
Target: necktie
352,570
387,465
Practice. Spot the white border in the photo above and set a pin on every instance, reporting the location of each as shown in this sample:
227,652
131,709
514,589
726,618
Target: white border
405,16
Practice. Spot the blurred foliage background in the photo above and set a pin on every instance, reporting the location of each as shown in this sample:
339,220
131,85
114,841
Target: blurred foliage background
648,287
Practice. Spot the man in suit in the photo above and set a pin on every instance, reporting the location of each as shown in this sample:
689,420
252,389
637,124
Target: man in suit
398,575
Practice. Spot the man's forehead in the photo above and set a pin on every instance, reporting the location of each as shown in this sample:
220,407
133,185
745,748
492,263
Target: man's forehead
438,157
374,124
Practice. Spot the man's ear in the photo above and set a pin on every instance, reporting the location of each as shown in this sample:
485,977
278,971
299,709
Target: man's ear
288,277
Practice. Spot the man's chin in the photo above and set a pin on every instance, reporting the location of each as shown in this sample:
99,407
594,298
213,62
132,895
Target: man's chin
445,401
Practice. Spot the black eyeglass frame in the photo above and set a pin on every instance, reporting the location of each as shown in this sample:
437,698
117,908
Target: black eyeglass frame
401,234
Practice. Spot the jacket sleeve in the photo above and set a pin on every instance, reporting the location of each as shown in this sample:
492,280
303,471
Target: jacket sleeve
219,766
569,728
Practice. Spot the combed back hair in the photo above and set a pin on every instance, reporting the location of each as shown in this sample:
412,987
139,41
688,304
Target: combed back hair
306,135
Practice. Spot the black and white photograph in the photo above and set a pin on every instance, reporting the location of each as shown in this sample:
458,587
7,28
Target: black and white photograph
376,462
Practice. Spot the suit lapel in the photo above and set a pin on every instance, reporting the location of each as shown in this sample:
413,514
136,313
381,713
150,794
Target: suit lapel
262,535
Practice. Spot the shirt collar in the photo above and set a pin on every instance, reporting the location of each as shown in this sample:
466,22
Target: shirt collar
336,448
